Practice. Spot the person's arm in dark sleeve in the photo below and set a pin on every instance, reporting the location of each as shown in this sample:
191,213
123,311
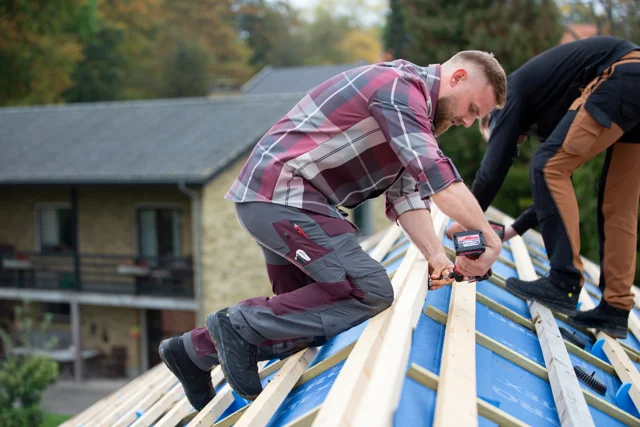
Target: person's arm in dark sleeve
501,150
526,221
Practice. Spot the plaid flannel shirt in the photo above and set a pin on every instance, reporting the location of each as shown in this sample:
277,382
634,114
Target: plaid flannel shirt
360,134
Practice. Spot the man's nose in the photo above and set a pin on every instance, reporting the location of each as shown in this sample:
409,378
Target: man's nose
468,121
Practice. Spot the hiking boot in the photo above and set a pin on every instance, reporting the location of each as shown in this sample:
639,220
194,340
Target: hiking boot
560,297
609,319
195,382
237,356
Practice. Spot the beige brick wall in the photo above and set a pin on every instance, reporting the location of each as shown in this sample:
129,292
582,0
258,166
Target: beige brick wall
106,215
119,324
232,264
17,213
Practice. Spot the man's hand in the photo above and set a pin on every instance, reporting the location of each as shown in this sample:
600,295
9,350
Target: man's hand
439,266
509,233
455,228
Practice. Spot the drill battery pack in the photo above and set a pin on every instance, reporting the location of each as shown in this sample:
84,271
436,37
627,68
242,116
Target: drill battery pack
469,243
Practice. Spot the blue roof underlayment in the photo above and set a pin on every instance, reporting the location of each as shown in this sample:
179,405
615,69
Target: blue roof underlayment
499,382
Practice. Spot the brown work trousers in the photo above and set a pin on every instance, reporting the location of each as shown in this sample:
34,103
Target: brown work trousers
605,117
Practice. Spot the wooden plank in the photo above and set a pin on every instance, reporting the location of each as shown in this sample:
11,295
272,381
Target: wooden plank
305,420
118,395
387,374
231,419
224,398
371,241
432,381
501,309
571,348
176,414
126,405
308,375
389,239
214,409
537,370
328,363
267,403
146,401
351,382
498,348
456,401
182,408
570,403
160,407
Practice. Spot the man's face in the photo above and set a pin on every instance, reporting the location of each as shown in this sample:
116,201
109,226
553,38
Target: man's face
462,101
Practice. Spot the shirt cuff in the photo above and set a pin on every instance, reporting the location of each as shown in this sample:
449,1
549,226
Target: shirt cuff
405,203
437,177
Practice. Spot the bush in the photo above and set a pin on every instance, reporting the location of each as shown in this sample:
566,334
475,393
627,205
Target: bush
23,378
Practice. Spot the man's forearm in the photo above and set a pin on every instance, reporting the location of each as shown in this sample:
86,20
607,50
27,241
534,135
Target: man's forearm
459,204
418,226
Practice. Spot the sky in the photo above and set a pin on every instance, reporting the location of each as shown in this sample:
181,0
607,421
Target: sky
374,16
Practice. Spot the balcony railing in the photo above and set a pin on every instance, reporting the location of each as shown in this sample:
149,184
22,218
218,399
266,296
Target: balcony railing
114,274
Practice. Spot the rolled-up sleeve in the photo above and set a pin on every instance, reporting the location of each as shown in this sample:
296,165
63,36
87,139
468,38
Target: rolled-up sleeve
403,196
400,108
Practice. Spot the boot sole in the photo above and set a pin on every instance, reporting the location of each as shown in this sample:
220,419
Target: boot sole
171,363
212,327
614,331
568,310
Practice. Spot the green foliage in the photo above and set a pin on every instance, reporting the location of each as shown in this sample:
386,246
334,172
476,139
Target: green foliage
395,33
100,75
23,378
54,420
186,72
39,50
514,31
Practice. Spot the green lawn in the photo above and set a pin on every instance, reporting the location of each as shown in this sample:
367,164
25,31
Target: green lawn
54,420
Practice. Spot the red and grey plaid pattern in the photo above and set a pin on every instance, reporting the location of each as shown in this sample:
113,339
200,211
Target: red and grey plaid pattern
361,133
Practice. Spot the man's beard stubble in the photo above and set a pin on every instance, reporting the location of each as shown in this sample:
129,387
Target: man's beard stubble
444,114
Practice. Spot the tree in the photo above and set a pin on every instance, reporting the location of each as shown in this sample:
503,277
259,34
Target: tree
40,48
271,30
395,32
24,378
100,75
186,72
514,31
361,45
620,18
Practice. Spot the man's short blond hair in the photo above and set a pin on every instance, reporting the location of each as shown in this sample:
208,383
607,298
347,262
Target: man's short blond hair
491,69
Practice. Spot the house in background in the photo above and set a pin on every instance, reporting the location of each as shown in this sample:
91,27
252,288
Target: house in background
578,32
113,218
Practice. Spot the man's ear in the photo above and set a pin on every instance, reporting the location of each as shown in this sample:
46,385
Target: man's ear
458,76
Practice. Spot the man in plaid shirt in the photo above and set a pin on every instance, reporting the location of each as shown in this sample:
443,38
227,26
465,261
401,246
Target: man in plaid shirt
366,132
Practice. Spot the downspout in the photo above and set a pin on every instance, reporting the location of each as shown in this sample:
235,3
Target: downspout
196,207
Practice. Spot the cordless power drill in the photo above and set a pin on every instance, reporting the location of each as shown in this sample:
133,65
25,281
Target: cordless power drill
471,245
498,228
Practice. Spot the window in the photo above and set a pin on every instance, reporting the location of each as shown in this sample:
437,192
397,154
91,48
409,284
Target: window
159,232
55,229
60,311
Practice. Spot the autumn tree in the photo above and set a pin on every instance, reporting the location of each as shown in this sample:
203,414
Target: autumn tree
40,46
